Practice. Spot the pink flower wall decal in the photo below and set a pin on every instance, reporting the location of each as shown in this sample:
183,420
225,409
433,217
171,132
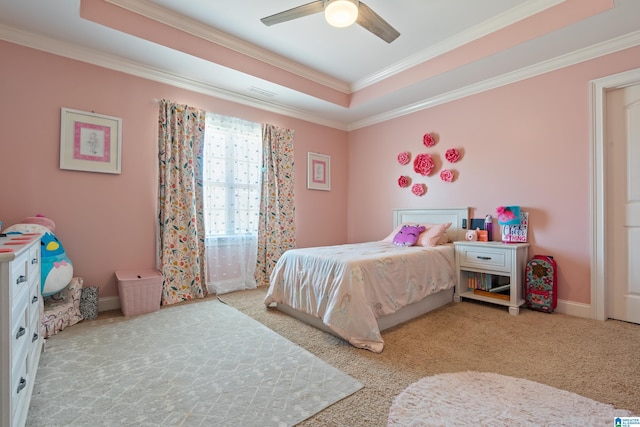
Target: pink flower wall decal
419,189
404,181
423,164
404,157
428,140
452,155
446,175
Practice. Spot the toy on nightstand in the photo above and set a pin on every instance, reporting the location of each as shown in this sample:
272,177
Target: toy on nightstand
56,270
472,235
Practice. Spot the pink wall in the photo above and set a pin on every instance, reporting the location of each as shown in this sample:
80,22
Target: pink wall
524,144
527,144
107,222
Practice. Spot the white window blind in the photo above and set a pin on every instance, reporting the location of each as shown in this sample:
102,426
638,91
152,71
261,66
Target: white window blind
232,176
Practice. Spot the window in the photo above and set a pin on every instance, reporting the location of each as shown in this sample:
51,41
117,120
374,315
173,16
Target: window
232,161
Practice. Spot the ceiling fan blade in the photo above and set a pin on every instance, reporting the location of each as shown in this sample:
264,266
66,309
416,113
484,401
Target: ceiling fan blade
371,21
295,13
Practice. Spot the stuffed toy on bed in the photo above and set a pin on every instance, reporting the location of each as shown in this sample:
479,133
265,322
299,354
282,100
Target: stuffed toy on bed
56,270
408,235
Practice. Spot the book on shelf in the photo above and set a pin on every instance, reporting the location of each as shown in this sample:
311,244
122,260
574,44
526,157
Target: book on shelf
505,297
487,282
479,281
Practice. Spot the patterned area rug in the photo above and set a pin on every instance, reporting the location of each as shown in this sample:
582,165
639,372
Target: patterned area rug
487,399
202,364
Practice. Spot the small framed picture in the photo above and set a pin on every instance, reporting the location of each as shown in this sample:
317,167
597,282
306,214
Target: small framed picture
90,142
318,172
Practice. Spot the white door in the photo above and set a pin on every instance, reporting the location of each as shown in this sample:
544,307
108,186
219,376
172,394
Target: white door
622,198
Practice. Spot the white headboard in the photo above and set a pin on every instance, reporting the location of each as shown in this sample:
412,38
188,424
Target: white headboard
436,216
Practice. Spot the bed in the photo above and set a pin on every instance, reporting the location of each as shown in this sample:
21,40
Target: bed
355,291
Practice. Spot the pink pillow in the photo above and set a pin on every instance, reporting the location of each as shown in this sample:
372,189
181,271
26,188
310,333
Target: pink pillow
432,235
444,239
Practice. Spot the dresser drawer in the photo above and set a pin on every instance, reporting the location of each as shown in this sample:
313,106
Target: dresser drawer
35,323
34,313
34,300
20,335
497,259
34,261
18,389
19,276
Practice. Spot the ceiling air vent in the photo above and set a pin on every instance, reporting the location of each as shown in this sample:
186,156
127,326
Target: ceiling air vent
262,92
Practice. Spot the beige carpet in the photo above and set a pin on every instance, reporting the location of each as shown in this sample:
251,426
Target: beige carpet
597,360
484,398
203,364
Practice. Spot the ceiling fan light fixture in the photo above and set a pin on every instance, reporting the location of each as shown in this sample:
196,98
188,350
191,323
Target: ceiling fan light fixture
341,13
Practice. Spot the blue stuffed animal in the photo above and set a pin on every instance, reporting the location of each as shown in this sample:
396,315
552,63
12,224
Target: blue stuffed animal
56,269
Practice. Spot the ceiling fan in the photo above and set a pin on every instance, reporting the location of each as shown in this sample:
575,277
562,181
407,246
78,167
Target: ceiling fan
340,13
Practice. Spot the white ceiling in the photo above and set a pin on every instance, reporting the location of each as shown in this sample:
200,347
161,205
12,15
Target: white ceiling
345,61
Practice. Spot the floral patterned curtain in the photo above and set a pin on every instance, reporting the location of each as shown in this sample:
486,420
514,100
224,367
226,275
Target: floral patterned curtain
180,216
276,230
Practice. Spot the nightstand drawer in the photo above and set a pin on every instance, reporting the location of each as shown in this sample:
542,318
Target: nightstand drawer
485,258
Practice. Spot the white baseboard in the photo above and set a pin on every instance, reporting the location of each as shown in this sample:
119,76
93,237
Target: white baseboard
108,303
565,307
574,309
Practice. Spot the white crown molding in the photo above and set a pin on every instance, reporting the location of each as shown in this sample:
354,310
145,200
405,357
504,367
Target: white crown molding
611,46
157,13
492,25
116,63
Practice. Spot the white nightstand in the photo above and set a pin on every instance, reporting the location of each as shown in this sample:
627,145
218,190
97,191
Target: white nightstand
484,267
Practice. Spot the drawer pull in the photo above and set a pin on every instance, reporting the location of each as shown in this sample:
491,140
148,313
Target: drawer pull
34,338
20,332
23,384
21,279
484,257
34,261
34,299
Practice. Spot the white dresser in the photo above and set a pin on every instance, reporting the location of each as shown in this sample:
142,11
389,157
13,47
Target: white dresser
20,337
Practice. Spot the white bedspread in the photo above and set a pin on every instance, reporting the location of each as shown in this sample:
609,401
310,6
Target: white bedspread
350,286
